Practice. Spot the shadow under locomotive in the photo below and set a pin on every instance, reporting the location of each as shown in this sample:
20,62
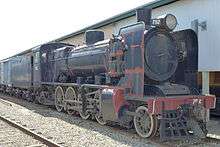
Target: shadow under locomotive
145,76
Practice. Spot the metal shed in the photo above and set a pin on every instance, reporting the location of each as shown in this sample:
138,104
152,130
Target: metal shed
200,15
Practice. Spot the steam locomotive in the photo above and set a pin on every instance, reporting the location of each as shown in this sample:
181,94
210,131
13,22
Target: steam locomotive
136,79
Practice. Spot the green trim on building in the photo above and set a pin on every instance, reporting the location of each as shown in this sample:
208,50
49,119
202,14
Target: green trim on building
153,5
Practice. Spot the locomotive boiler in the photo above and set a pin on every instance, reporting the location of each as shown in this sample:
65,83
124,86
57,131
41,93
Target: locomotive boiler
100,57
131,79
93,59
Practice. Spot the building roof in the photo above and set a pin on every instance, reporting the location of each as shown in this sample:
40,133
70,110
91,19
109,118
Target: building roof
132,12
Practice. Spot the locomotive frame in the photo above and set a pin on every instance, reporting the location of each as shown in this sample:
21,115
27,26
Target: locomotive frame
117,80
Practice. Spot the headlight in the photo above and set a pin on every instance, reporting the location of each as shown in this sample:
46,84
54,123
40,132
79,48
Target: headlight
170,21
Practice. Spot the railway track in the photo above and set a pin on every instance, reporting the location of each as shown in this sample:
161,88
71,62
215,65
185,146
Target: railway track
47,142
212,138
13,133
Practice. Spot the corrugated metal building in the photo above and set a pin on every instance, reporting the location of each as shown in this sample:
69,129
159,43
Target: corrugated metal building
186,11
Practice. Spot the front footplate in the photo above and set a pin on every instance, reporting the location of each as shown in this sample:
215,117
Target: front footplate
187,122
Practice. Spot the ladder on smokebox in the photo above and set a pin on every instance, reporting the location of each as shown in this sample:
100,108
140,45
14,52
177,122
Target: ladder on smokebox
173,126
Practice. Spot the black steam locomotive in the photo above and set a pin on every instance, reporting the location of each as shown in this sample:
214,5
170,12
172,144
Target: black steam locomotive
144,77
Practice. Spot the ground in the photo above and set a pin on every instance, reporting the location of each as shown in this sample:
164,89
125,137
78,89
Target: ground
73,131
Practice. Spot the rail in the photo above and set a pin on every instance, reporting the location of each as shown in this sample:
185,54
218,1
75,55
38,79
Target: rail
27,131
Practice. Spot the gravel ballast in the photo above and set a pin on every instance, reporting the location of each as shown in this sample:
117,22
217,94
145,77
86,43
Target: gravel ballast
74,131
11,137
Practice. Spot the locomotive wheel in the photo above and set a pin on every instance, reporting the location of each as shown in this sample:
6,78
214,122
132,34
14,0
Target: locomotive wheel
59,96
29,96
98,115
23,95
70,95
100,119
145,124
83,115
42,98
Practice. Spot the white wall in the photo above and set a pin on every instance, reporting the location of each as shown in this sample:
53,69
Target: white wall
123,23
187,11
209,41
